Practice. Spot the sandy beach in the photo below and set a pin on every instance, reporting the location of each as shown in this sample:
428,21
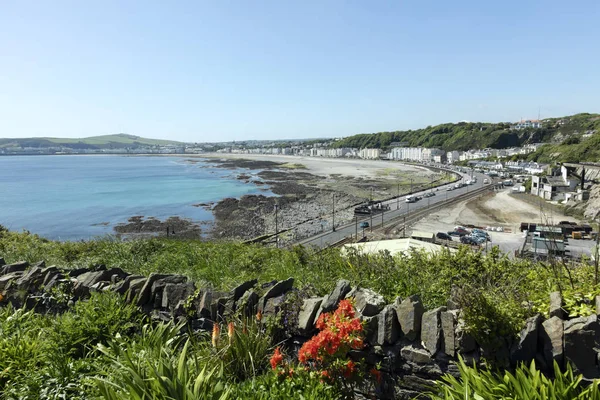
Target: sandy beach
355,168
307,190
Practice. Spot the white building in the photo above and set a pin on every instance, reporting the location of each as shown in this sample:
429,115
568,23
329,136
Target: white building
430,153
452,156
370,154
527,124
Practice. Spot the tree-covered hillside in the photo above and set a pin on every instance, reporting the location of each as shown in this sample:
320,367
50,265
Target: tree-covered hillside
469,135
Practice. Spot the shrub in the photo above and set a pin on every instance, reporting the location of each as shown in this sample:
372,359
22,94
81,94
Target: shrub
92,321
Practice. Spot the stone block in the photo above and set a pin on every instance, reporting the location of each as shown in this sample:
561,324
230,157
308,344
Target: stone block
239,291
431,329
247,303
20,266
448,321
306,317
556,304
158,286
145,294
273,305
31,279
6,279
173,293
410,313
388,328
278,289
135,288
331,302
581,335
368,302
416,355
551,339
525,349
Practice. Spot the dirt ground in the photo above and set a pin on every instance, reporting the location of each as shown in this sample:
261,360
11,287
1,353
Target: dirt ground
497,209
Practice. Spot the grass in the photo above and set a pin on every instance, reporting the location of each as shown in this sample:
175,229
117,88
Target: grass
293,166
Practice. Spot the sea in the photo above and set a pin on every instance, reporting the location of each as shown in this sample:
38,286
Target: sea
83,197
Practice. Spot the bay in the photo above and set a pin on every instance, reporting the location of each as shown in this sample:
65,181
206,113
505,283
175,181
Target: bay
81,197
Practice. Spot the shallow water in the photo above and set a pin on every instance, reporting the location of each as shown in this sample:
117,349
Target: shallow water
80,197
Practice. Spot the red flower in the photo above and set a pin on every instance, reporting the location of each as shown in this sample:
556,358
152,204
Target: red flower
276,358
376,374
348,369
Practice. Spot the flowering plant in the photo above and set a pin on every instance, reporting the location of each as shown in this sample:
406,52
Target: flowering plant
326,353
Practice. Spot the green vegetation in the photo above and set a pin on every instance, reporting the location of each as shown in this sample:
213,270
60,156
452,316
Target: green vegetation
493,291
468,135
104,348
120,140
53,357
526,383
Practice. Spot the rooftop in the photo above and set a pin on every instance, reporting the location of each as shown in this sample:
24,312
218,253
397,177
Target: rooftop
396,246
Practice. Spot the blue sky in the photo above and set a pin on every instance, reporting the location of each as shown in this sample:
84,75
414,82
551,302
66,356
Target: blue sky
233,70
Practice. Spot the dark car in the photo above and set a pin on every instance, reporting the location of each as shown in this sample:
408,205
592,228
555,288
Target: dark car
458,233
443,236
364,224
468,240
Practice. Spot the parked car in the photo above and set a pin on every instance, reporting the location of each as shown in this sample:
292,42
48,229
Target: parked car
443,236
457,233
450,188
480,232
364,224
468,240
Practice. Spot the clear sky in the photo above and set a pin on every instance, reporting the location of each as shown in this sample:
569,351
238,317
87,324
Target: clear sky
233,70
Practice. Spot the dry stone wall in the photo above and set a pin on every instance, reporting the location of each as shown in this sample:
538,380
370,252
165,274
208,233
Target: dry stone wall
412,345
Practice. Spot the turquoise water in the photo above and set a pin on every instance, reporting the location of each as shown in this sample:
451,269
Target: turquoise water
80,197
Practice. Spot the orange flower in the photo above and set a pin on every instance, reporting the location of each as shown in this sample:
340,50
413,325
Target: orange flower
215,334
276,358
230,331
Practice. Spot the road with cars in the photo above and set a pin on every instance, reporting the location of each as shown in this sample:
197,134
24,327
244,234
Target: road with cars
398,208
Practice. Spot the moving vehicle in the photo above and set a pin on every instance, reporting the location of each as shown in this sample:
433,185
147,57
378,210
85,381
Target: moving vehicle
364,224
410,199
450,188
486,181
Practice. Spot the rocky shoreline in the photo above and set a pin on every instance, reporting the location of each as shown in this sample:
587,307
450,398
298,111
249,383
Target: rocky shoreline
300,203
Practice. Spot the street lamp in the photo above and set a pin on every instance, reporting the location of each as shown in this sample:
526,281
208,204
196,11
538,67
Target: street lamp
276,226
333,217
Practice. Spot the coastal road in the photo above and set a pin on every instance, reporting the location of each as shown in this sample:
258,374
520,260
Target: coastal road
398,209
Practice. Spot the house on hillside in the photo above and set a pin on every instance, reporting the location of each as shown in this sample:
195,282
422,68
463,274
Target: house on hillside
527,124
554,186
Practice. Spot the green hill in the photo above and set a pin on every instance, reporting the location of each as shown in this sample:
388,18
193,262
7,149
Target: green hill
120,140
568,137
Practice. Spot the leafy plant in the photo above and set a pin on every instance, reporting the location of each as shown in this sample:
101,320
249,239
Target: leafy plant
527,383
157,367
